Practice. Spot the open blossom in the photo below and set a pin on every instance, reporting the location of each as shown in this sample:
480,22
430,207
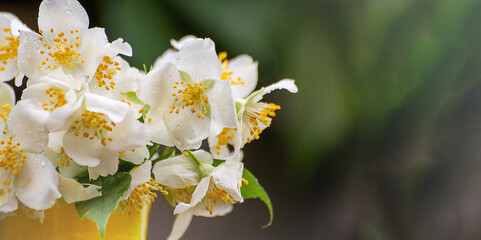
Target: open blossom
253,116
107,128
188,98
199,189
25,175
65,42
10,26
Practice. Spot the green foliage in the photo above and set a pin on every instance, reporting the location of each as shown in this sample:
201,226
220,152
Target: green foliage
255,190
98,209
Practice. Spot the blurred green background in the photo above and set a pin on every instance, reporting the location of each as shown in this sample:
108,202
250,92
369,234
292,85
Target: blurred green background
383,140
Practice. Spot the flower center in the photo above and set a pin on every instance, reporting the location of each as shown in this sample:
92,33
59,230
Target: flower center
62,52
12,157
226,136
257,117
105,71
64,158
190,95
93,126
226,74
143,193
214,195
56,99
8,48
182,194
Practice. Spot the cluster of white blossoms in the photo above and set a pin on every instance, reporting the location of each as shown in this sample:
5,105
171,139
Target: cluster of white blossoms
86,114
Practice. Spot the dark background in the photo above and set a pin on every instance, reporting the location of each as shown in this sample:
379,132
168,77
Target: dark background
381,142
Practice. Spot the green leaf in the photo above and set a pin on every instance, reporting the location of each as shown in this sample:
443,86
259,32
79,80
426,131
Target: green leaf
98,209
168,152
255,190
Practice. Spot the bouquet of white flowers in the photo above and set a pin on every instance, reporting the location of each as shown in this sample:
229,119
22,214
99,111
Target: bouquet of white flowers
88,128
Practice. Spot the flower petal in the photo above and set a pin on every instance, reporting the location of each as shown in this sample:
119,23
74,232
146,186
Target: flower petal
228,177
222,105
243,67
108,164
197,196
199,59
7,94
141,174
62,16
114,110
37,185
72,191
186,129
176,172
157,130
156,86
28,121
287,84
181,223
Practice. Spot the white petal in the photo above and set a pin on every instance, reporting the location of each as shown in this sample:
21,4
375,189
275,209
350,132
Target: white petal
176,172
72,191
181,223
218,209
157,130
120,47
222,106
128,134
62,16
245,68
93,47
141,174
108,164
10,204
199,59
59,118
197,196
37,185
29,57
114,110
167,57
75,147
186,129
28,121
15,24
156,86
178,44
287,84
228,177
7,94
137,156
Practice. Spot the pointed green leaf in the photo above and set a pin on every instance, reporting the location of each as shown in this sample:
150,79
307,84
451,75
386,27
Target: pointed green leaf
98,209
255,190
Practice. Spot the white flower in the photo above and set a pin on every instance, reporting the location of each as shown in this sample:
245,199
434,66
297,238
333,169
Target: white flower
188,98
25,176
253,116
106,128
53,97
66,42
10,26
142,188
241,71
198,188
